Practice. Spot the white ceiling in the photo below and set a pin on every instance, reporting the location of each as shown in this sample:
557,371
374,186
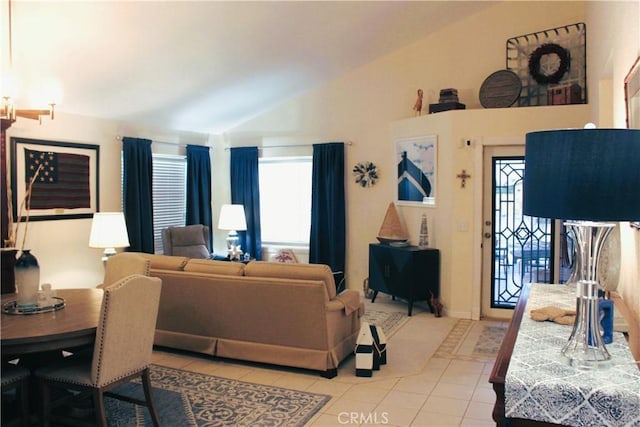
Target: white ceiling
203,66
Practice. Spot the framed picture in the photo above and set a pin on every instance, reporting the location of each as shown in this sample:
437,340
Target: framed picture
551,65
632,95
417,160
63,177
632,100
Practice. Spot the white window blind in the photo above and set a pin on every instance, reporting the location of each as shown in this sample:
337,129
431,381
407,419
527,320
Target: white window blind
169,194
285,200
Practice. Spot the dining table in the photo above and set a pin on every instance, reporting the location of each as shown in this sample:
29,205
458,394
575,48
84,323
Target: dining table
72,324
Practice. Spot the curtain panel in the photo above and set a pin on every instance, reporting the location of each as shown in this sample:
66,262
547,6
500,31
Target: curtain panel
137,193
199,187
245,190
327,242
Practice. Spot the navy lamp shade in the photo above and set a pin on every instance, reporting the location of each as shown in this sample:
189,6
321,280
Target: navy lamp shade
591,178
583,174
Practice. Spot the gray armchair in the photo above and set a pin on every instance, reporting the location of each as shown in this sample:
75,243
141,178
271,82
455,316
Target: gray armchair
191,241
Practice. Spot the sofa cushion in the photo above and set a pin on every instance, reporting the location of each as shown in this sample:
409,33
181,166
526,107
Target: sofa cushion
215,267
293,271
166,262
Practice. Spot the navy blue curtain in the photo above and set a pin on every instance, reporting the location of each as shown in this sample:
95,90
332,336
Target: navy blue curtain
137,189
199,187
327,243
245,190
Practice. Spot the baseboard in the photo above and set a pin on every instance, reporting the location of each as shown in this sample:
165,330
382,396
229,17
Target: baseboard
457,314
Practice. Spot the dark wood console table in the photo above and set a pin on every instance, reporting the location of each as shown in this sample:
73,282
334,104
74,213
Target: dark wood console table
408,272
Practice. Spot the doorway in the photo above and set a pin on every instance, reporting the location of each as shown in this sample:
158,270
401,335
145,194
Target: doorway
516,249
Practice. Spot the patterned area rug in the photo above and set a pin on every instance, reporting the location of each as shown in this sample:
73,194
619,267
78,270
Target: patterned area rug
390,322
473,340
191,399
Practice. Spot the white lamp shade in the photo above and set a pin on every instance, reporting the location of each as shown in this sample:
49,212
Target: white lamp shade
232,218
108,230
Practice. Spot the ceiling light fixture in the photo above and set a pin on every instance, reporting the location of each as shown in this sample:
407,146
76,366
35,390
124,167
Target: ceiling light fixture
9,110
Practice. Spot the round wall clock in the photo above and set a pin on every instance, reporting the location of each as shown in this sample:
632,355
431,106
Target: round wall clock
366,174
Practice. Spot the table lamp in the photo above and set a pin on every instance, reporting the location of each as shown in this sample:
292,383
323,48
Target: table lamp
108,231
591,179
232,219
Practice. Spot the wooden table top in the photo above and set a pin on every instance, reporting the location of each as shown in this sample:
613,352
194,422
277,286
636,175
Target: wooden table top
71,326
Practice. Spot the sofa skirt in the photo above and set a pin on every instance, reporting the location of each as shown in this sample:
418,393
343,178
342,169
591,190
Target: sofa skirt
188,342
314,359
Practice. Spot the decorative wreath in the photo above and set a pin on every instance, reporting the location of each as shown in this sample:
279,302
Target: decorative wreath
366,174
547,49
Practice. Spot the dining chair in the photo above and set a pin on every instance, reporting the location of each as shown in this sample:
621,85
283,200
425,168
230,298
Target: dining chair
16,378
121,353
122,265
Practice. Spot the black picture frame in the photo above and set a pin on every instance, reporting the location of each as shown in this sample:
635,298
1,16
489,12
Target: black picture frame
551,60
19,183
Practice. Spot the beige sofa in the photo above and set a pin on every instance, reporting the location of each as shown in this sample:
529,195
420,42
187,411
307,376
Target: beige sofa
267,312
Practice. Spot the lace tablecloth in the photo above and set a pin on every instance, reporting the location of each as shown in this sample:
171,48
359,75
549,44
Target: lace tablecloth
541,386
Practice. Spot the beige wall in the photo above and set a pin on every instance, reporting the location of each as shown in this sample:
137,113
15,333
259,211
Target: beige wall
457,218
366,106
362,105
62,246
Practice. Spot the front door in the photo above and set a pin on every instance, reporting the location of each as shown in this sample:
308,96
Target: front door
517,248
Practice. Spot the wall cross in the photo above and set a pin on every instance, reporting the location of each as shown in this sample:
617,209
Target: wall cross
463,176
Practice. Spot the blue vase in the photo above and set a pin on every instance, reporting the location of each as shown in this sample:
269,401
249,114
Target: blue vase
27,276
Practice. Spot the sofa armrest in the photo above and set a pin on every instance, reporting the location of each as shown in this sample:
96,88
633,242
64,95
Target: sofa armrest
334,305
350,301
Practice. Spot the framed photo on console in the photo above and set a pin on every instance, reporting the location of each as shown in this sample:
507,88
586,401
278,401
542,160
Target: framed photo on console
63,179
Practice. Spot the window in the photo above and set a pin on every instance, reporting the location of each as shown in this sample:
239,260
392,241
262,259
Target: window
169,194
285,200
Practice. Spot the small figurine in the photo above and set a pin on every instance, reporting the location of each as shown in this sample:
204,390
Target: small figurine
46,295
436,305
418,105
234,253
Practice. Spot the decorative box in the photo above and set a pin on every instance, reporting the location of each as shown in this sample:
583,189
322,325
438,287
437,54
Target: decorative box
448,95
565,94
445,106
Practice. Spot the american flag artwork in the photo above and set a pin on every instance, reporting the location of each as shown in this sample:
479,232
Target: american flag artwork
63,181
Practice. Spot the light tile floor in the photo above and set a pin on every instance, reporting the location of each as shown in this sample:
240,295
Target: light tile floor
415,388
